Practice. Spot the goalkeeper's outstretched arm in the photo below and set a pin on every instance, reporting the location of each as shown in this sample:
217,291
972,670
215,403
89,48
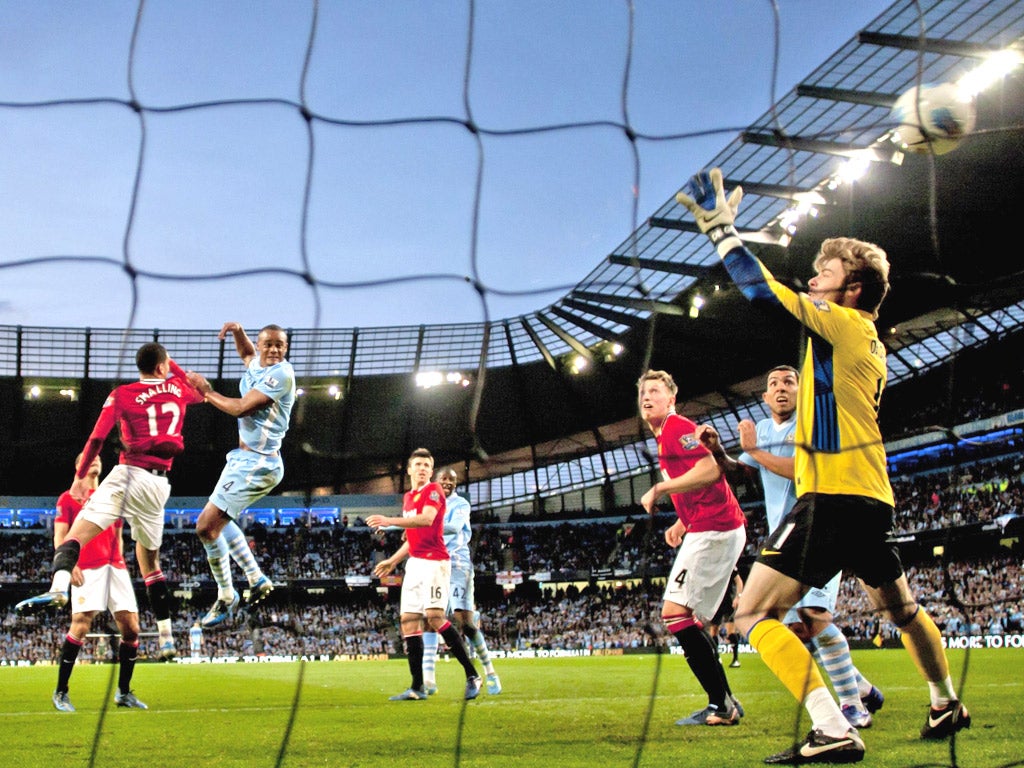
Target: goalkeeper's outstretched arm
715,213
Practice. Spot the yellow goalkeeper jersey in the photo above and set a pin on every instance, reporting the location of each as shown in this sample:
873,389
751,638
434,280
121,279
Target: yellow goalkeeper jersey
843,373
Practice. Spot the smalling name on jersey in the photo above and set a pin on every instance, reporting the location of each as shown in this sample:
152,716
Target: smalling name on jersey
174,389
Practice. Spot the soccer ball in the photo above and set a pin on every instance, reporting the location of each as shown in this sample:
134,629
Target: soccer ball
934,122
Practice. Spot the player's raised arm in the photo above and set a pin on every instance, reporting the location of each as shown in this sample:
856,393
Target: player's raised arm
243,344
704,196
715,214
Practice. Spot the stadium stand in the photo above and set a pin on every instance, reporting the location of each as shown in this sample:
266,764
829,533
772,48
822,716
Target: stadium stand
958,529
957,473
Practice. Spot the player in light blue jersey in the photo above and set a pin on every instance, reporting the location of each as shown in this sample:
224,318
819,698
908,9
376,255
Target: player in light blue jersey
461,601
769,448
254,468
195,640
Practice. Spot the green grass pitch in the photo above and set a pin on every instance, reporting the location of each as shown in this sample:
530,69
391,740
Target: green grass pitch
566,712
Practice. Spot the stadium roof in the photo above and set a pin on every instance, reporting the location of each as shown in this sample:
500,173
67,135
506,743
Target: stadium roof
518,393
942,219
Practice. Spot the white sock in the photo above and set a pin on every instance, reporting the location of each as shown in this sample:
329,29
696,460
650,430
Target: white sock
825,713
61,581
941,693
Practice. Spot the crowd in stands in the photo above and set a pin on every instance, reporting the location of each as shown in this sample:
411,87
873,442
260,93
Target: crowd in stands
961,485
364,628
981,493
974,597
977,597
981,596
956,392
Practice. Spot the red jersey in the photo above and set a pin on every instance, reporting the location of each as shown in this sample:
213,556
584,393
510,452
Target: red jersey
104,549
427,543
149,415
713,508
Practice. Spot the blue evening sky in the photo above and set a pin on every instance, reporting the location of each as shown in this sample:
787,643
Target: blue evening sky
221,187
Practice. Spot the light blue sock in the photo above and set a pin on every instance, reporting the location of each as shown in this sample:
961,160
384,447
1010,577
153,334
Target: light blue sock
864,685
833,651
476,638
429,659
241,553
220,567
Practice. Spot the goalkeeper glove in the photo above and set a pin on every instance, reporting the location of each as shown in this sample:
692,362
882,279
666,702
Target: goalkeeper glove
704,197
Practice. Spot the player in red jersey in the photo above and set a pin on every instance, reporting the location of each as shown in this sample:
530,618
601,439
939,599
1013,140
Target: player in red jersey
149,414
710,532
99,582
427,574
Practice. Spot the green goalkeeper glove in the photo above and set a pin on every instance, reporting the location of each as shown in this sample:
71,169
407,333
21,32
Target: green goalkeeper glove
704,197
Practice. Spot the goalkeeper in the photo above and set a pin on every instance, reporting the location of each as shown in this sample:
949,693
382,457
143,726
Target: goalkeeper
844,507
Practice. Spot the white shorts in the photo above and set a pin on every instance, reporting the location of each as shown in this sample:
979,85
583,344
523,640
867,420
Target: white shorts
817,597
105,589
246,478
703,569
461,598
425,585
135,494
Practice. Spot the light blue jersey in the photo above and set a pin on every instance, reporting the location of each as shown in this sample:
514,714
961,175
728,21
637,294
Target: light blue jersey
457,531
779,498
264,430
779,491
251,473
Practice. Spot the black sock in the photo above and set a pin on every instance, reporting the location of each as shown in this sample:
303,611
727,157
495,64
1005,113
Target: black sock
126,657
721,669
66,556
734,638
414,650
159,599
454,640
68,656
702,656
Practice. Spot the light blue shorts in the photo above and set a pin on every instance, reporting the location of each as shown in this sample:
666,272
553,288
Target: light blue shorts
817,597
461,597
247,477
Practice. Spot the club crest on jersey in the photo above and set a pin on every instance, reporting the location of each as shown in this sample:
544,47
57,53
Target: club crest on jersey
689,442
821,305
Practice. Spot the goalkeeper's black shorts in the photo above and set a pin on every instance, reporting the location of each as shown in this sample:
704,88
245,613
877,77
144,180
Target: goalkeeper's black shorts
824,534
